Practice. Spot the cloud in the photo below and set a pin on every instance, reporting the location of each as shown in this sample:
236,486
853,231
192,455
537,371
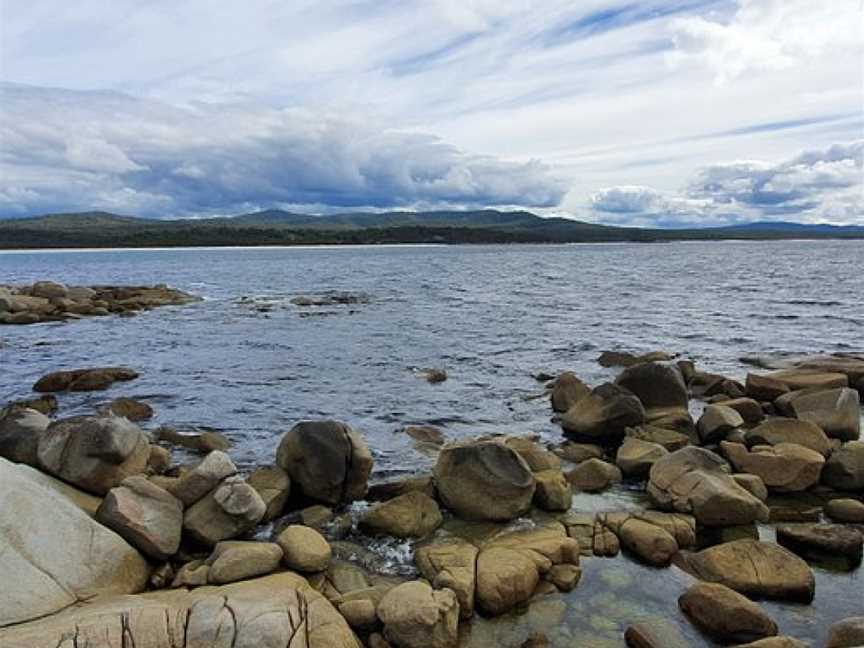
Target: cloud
66,150
815,186
769,35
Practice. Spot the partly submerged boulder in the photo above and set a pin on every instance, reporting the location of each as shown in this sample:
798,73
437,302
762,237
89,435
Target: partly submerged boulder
54,554
83,379
604,414
94,453
327,460
725,614
412,515
484,480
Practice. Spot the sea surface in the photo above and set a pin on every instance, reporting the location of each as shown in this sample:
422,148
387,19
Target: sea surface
249,363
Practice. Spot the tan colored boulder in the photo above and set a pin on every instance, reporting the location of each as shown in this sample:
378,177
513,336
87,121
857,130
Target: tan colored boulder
696,481
777,430
844,469
146,516
505,578
651,543
83,379
450,563
192,574
159,460
753,484
655,633
85,501
604,414
483,480
48,289
725,614
754,568
627,359
635,456
785,467
820,541
203,478
845,510
672,440
54,554
95,453
235,560
775,642
536,456
578,452
416,616
328,461
276,610
132,409
716,422
657,385
383,491
274,486
412,515
798,379
567,390
232,508
205,442
553,492
764,388
848,633
20,431
594,475
749,409
836,411
304,549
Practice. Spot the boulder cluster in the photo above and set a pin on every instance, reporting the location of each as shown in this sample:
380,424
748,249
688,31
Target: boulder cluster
94,510
47,301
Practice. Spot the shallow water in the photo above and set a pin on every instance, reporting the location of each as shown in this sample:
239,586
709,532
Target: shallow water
490,315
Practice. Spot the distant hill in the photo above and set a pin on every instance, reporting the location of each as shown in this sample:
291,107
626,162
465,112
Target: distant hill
276,227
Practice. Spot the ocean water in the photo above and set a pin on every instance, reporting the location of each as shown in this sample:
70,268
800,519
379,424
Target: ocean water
249,363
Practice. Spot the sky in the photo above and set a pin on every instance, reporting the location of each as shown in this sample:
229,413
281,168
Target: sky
644,113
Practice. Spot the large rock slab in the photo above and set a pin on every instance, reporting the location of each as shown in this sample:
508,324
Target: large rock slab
54,554
844,469
95,453
725,614
820,542
416,616
327,460
836,411
483,480
604,414
20,431
785,467
778,430
697,481
148,517
275,611
755,568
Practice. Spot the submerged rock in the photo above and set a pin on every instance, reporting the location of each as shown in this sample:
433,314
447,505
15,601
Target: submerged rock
848,633
484,480
83,379
819,542
725,614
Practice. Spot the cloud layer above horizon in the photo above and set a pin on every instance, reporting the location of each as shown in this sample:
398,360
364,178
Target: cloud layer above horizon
674,112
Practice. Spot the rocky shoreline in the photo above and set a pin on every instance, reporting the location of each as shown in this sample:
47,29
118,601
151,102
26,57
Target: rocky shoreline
48,301
107,541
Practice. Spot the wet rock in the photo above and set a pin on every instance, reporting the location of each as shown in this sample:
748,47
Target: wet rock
716,422
132,409
844,469
725,614
483,480
848,633
316,516
331,298
505,578
276,610
83,379
383,491
672,440
794,513
836,411
696,481
203,478
798,379
650,543
626,359
536,456
146,516
235,560
94,453
274,486
425,434
54,554
412,515
604,414
204,443
754,568
753,484
845,510
656,633
578,452
785,430
45,404
785,467
775,642
328,461
764,388
749,409
594,475
656,385
553,491
635,456
819,542
450,563
304,549
20,431
234,507
567,390
416,616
